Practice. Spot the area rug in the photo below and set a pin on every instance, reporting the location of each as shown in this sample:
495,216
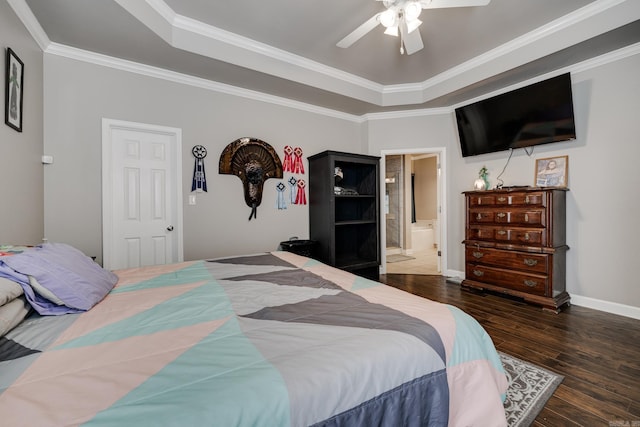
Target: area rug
398,258
530,387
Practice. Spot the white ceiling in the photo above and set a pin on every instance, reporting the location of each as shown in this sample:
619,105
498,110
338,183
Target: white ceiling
288,48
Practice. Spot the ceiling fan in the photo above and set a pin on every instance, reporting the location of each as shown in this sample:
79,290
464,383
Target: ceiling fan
401,19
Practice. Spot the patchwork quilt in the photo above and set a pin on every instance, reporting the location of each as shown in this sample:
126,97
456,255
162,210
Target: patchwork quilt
272,339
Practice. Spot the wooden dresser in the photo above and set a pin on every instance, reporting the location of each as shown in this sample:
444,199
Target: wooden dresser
515,243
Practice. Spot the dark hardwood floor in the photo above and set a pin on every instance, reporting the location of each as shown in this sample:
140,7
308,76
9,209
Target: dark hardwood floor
598,353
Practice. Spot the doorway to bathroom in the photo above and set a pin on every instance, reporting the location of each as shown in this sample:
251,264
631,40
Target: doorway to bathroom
412,210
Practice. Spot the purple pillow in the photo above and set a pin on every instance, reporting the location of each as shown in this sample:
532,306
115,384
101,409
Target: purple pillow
71,276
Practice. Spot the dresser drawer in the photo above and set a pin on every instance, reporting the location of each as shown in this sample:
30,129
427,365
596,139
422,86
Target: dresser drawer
535,198
488,199
531,217
481,216
480,233
515,236
520,236
529,263
534,217
530,283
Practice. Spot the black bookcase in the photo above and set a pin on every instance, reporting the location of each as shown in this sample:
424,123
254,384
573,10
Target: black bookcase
344,218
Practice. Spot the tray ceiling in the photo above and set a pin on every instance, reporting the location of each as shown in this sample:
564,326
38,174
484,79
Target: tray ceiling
288,48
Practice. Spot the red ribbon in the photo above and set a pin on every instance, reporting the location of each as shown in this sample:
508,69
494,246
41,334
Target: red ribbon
287,165
298,166
301,197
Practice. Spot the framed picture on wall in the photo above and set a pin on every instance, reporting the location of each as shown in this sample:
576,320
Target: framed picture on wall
552,171
14,89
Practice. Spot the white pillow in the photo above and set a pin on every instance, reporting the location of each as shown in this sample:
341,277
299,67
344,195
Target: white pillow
12,313
9,290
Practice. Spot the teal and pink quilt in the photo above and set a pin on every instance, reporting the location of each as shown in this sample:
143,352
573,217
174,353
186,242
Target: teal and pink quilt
272,339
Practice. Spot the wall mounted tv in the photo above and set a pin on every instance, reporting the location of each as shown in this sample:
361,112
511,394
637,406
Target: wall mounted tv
536,114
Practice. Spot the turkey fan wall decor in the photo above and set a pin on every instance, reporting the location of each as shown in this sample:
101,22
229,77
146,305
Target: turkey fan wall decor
253,161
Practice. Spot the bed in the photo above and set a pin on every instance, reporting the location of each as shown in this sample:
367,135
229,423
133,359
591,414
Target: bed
269,339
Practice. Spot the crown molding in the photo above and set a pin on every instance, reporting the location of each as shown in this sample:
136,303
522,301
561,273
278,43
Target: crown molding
29,20
195,36
586,65
174,77
589,21
407,113
179,78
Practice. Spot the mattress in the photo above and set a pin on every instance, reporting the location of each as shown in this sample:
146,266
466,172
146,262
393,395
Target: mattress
270,339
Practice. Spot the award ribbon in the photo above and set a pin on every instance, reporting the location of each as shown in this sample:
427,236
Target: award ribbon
298,166
301,197
199,182
292,184
281,203
287,164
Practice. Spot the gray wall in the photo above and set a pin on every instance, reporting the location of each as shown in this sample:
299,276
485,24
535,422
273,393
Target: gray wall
603,179
218,224
21,186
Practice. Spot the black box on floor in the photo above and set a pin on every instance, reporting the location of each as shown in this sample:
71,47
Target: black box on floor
301,247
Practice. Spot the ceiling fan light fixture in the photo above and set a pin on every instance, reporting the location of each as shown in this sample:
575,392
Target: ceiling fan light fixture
392,31
389,18
413,25
412,11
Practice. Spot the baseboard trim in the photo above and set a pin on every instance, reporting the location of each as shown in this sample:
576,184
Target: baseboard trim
455,276
607,306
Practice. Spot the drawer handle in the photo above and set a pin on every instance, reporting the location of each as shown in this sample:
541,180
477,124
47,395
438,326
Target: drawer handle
530,262
478,273
526,236
502,232
526,217
526,199
477,254
530,283
502,199
501,215
479,217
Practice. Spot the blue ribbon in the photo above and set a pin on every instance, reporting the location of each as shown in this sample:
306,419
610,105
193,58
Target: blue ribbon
292,183
199,179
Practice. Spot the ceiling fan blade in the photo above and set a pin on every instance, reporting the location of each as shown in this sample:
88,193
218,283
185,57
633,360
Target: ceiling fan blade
440,4
359,32
413,42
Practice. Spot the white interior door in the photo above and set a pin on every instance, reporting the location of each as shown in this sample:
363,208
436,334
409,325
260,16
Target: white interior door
142,197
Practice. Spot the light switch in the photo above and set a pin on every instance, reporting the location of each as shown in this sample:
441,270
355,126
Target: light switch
192,199
47,160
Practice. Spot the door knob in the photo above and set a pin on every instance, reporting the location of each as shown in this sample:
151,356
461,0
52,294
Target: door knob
170,228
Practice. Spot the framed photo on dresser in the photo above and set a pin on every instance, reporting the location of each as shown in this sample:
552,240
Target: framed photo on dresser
552,172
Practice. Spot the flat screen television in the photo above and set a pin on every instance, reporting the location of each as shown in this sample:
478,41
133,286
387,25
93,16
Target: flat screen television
536,114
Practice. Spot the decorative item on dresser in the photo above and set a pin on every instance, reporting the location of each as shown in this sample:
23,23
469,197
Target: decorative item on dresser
344,211
515,243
